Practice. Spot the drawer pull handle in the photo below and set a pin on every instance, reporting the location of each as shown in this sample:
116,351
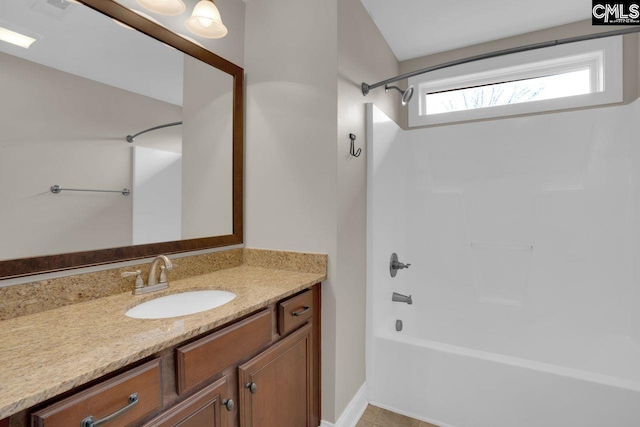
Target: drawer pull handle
253,387
301,312
88,422
228,403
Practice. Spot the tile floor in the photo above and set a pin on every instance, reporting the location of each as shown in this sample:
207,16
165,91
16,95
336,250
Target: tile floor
378,417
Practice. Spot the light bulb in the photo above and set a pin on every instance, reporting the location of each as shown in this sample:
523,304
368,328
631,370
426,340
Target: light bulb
205,22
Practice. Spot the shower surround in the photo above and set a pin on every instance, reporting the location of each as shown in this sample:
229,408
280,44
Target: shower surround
523,236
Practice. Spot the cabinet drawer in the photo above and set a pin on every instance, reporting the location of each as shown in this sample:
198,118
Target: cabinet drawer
108,398
295,311
202,359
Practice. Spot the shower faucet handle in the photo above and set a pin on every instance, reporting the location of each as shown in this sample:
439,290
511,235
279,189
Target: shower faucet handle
395,265
399,266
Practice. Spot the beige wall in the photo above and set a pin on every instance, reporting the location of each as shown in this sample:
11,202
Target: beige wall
630,47
291,178
303,190
58,128
207,145
363,55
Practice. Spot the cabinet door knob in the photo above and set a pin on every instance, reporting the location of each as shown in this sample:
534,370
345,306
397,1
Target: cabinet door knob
253,387
228,403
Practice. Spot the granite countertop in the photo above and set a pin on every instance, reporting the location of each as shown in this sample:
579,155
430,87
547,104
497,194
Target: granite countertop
48,353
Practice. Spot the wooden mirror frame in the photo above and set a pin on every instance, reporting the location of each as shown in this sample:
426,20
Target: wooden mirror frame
59,262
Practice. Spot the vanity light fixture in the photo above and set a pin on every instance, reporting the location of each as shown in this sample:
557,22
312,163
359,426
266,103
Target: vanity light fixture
16,38
164,7
206,22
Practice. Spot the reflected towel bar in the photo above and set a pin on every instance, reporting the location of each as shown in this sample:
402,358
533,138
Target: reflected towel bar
55,189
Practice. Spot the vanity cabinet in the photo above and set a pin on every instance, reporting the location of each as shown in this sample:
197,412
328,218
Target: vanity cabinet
260,371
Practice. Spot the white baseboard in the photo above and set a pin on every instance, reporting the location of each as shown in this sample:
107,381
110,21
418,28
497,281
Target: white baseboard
354,410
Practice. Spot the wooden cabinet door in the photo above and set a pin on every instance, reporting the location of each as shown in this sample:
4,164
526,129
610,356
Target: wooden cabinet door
282,380
203,409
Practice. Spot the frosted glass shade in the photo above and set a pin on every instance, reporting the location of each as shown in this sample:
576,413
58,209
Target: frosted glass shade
206,22
164,7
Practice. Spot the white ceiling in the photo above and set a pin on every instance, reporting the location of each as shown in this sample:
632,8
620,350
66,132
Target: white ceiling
83,42
415,28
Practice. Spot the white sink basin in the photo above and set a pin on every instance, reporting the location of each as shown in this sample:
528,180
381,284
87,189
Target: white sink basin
180,304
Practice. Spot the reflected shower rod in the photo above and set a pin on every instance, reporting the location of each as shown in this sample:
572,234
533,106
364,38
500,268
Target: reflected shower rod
367,87
131,138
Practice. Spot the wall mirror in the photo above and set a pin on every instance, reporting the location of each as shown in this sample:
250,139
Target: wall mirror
87,76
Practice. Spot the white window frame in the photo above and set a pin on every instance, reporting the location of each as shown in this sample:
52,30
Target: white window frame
602,56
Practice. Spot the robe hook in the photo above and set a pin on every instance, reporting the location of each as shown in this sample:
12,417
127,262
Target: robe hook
352,150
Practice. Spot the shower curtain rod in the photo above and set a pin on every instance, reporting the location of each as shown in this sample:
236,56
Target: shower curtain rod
367,87
131,138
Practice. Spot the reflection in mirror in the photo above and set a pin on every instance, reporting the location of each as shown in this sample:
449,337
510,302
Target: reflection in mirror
76,93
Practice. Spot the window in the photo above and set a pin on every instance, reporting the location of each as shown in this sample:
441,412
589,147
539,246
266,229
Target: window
511,92
567,76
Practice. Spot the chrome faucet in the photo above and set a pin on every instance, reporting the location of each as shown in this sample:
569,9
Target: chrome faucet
154,284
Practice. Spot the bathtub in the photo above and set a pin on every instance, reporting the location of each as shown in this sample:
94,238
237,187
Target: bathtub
453,386
524,270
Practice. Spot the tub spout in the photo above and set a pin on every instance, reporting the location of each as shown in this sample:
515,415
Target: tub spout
401,298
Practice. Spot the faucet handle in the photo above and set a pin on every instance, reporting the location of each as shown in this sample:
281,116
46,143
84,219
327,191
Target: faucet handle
138,274
131,273
396,265
163,274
